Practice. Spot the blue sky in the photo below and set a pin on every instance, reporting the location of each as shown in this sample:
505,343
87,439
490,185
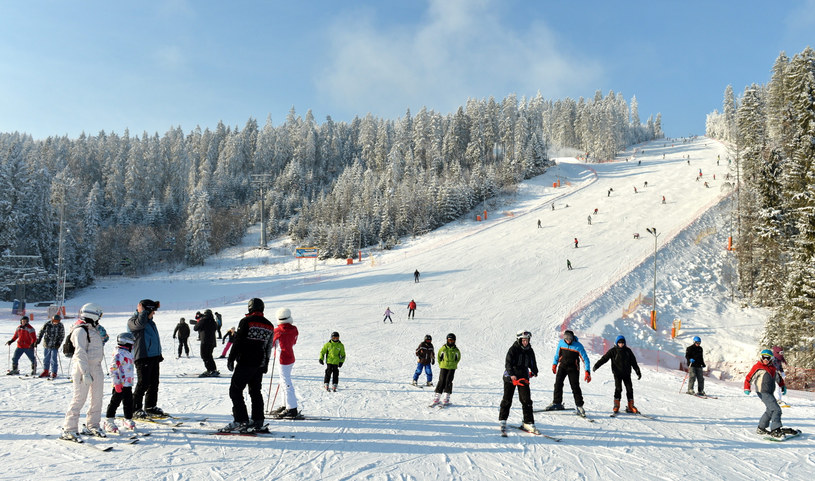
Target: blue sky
73,67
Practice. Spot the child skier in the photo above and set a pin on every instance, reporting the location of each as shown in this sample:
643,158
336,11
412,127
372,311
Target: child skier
332,355
694,354
227,339
388,313
53,333
121,370
622,361
762,375
566,363
26,337
519,366
448,357
426,356
778,363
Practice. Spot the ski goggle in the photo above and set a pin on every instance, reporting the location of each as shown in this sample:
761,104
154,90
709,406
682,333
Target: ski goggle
766,358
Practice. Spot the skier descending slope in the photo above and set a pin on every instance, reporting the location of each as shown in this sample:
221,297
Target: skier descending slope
567,364
763,376
520,365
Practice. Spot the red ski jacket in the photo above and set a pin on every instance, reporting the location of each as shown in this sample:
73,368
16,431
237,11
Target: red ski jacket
26,336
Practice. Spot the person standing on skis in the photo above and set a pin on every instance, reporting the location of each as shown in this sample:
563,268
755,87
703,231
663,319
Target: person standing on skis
426,356
623,361
332,355
448,357
694,354
519,366
566,363
285,337
411,309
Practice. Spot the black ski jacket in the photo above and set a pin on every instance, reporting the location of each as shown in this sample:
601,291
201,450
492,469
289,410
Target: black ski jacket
695,352
622,361
520,361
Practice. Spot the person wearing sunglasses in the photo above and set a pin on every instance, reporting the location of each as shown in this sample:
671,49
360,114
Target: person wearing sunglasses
763,377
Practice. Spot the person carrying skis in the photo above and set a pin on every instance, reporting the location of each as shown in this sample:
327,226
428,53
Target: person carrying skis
122,372
694,354
412,309
763,376
249,361
426,356
416,276
622,361
53,333
566,363
519,366
208,327
388,313
227,339
147,357
332,355
86,374
26,337
448,358
182,330
285,337
778,363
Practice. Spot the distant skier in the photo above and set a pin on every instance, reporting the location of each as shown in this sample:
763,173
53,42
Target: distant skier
416,275
182,330
622,361
539,223
645,184
388,313
568,264
333,355
589,220
763,376
425,355
553,206
566,363
595,211
412,309
696,365
610,190
519,366
635,189
575,242
663,199
778,363
448,357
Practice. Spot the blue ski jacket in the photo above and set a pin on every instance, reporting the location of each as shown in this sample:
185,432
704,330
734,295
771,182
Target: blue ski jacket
569,355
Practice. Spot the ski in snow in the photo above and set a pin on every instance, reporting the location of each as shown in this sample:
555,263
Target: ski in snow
557,440
80,442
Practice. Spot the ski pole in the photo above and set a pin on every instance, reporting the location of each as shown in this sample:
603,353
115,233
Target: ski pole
683,380
271,380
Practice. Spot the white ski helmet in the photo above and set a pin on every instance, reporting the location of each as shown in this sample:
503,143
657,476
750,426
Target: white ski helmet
91,311
283,316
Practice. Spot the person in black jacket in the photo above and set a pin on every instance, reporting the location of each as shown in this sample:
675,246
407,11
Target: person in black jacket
207,327
622,361
520,365
251,351
182,330
696,365
426,356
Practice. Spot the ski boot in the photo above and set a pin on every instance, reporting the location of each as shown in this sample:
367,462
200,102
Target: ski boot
616,406
503,425
69,435
334,388
414,383
435,401
778,433
530,428
129,425
45,374
156,412
446,401
429,383
94,431
762,431
232,427
554,407
326,386
109,425
277,412
13,371
631,408
289,414
580,411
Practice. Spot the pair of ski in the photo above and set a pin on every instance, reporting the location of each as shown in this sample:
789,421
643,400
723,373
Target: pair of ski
575,411
615,414
537,433
133,438
703,396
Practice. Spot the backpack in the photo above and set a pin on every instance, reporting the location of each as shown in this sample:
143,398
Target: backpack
68,348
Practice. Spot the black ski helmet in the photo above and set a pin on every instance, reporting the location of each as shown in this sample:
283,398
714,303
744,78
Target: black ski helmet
335,334
256,305
428,338
125,338
451,336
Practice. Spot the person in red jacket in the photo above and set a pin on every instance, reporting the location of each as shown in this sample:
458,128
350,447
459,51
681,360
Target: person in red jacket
26,337
412,309
285,337
763,376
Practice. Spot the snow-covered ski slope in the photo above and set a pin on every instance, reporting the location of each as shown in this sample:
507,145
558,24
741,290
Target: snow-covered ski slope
483,281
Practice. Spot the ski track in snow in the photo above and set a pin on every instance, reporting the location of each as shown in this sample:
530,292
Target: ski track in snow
483,281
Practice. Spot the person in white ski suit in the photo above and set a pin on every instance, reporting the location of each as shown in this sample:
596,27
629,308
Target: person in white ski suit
86,373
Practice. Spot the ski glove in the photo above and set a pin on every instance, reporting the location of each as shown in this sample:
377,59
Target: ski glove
784,390
320,361
747,392
230,364
339,365
691,362
639,376
554,368
8,343
117,388
87,378
521,382
588,376
265,368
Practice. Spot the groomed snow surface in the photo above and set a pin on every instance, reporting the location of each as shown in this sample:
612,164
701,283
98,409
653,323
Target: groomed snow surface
483,281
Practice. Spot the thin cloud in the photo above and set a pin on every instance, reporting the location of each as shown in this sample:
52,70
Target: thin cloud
459,49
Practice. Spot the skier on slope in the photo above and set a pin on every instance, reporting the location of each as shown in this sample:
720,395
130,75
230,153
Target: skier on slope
26,337
388,313
207,327
694,354
763,376
622,361
426,356
519,366
182,330
53,333
448,357
285,337
566,363
332,355
411,309
122,371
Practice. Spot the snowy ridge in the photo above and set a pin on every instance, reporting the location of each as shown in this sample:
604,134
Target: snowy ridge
483,281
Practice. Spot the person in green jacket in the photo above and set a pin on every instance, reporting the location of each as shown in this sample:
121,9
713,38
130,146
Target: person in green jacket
448,358
332,355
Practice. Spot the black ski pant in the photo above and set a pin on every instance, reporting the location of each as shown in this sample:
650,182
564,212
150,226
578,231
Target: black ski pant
182,344
524,395
125,398
242,377
147,373
332,370
412,314
574,381
206,355
445,383
619,380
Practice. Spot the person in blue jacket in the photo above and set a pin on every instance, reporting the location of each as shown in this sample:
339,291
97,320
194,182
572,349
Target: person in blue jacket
567,364
147,358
